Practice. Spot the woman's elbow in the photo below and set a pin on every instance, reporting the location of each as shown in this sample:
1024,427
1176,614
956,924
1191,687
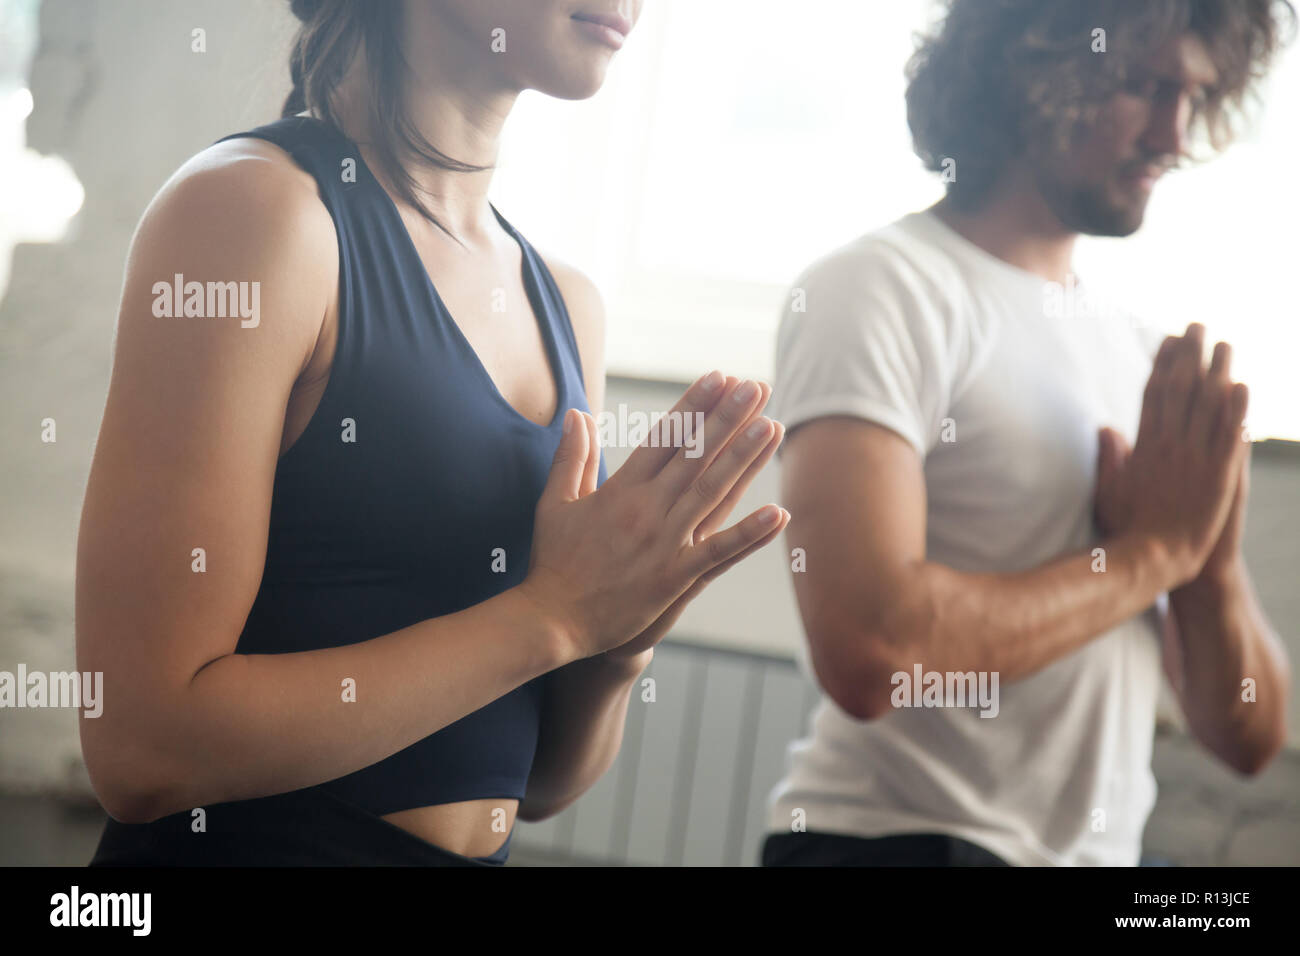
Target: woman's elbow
122,799
533,810
122,778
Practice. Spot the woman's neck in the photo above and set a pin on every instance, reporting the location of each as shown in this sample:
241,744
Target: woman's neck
457,104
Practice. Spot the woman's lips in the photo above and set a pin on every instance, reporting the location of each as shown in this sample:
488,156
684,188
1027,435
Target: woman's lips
608,28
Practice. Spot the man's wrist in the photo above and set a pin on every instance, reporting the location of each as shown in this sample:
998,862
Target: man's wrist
1157,569
1216,582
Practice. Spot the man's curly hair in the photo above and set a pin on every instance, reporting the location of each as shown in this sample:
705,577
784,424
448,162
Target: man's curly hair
997,76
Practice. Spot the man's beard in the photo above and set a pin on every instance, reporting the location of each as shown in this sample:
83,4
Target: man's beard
1089,209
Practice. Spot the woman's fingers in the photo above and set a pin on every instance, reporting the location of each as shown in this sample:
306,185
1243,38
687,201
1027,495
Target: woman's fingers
690,594
607,559
570,460
717,549
737,558
649,458
728,416
591,473
713,484
720,514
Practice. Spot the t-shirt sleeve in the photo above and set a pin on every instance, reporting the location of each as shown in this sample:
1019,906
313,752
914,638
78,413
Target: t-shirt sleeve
859,337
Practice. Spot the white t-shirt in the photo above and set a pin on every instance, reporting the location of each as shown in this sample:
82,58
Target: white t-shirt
1000,381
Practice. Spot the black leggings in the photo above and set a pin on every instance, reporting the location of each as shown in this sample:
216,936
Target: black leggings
307,827
905,849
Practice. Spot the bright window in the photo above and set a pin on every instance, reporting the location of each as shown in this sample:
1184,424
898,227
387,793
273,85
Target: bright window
735,142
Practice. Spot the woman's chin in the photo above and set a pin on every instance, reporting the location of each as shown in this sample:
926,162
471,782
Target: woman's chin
577,83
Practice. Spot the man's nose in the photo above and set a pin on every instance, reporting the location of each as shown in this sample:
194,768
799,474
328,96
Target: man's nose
1167,130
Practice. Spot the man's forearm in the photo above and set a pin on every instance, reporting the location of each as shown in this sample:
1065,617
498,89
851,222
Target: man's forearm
1016,624
581,731
1224,641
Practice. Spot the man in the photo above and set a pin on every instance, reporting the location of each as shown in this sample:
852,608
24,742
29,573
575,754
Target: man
990,505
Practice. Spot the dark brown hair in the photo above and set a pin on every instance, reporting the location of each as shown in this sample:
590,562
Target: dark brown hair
997,76
329,37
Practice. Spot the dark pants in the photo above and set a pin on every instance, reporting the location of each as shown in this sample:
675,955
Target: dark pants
906,849
304,828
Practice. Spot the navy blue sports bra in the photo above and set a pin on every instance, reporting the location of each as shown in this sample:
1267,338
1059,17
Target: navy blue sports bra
412,517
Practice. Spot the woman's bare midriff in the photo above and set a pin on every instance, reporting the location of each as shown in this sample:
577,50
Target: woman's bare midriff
470,828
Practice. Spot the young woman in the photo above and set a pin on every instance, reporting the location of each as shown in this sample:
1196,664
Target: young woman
348,562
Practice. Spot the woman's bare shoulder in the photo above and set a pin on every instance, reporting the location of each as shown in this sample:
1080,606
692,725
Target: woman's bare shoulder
252,181
231,274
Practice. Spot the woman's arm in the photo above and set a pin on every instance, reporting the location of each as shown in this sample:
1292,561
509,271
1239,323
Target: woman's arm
186,459
586,703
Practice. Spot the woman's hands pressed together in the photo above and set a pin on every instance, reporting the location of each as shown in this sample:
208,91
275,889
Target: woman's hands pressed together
616,565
